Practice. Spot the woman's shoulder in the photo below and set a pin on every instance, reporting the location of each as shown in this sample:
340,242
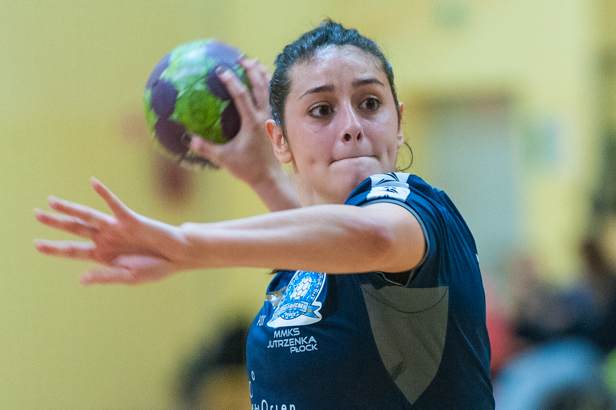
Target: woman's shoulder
395,185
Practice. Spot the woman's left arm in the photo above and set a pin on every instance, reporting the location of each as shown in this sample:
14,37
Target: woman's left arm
131,248
322,238
327,238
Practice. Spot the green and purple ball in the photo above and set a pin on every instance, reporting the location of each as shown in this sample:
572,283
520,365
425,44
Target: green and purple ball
183,96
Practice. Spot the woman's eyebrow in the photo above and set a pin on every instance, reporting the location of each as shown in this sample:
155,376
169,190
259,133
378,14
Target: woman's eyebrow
366,81
330,87
319,89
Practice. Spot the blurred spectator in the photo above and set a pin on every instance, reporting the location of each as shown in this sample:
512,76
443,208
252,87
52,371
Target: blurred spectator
565,336
586,310
216,378
503,342
564,375
601,282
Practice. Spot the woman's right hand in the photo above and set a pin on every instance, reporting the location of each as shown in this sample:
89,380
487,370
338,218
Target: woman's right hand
249,156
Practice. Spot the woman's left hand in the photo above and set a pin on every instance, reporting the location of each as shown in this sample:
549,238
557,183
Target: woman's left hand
133,248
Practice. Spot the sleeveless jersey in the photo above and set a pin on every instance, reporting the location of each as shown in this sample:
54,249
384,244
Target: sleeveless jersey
361,341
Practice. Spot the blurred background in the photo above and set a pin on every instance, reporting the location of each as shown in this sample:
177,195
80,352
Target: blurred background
510,107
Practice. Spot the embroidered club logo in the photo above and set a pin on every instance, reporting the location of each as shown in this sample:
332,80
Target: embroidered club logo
301,302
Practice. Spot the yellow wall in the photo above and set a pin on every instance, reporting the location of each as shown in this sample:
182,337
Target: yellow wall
72,71
543,56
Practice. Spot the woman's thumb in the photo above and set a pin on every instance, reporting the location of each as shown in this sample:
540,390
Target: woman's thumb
205,149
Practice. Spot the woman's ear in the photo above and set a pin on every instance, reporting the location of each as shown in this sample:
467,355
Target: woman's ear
279,143
400,133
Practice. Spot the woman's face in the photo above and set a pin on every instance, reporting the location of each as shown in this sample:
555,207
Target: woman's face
341,124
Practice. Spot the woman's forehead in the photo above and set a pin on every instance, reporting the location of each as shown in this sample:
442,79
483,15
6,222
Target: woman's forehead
331,60
333,51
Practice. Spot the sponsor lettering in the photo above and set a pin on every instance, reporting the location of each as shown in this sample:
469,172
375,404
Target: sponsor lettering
266,406
291,338
289,332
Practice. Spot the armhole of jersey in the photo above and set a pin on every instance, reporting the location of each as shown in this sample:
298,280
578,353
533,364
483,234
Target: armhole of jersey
423,228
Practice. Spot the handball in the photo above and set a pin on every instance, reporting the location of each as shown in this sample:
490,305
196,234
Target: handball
183,96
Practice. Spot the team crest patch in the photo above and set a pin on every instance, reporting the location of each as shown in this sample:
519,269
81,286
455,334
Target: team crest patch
301,302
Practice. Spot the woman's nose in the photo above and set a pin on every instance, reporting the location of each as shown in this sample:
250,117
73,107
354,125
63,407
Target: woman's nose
351,125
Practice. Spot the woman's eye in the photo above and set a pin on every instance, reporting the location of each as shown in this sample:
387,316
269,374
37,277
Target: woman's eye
371,104
321,111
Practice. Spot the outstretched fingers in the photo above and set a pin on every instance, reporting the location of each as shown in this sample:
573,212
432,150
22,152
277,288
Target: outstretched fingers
65,223
116,206
65,249
88,215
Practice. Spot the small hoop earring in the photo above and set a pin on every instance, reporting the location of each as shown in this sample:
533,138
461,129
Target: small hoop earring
400,169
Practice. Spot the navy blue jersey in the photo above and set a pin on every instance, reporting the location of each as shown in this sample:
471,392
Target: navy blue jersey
367,341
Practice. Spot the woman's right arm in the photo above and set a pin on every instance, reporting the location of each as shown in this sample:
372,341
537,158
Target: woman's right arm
249,156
